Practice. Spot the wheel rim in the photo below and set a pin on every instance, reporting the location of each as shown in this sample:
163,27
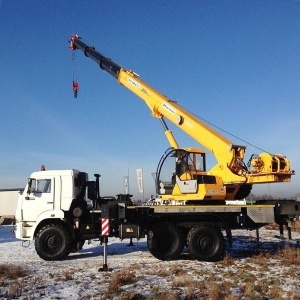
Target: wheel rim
206,244
52,243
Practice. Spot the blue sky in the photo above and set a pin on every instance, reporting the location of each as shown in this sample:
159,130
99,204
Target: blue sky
233,63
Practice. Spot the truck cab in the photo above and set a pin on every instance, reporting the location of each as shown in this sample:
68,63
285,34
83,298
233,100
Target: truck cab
55,198
47,195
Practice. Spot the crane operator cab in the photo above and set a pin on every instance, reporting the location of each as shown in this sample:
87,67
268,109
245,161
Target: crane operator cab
181,173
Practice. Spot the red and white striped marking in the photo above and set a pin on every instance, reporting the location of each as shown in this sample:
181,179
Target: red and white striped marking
105,227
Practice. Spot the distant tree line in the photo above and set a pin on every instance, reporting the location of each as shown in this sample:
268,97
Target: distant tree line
268,196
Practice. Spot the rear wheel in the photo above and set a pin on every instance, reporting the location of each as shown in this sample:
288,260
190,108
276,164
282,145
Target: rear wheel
165,241
206,243
53,242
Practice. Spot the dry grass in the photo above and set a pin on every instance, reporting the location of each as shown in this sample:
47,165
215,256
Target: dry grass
227,261
163,295
249,281
291,255
183,281
295,226
119,279
15,289
10,276
228,279
129,295
177,269
215,291
12,272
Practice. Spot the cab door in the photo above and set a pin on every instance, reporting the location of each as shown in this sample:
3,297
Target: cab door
183,175
38,198
174,176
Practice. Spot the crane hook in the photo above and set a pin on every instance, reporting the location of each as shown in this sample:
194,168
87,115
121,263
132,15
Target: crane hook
75,88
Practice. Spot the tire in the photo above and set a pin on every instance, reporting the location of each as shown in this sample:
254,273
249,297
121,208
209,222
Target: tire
77,246
206,243
165,241
53,242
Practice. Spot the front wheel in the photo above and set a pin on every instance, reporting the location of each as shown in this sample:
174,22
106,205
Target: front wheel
53,242
165,241
206,243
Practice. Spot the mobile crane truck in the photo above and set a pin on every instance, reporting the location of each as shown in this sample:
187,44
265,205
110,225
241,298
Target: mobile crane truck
54,211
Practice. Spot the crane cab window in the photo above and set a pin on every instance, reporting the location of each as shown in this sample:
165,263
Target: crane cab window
189,162
178,163
199,162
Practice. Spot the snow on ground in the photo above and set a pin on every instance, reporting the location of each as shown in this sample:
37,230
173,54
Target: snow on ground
247,272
